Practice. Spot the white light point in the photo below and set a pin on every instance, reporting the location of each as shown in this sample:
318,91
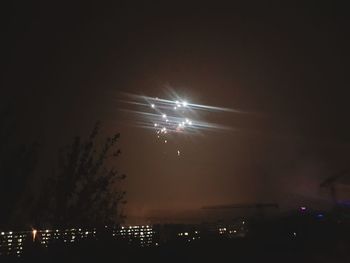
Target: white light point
165,141
164,116
178,153
184,103
156,124
152,106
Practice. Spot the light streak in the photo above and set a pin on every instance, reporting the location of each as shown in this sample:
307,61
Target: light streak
167,116
34,232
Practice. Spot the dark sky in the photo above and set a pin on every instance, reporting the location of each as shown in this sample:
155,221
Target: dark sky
65,66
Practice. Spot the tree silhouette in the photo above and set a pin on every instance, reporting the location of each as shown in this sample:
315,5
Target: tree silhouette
84,190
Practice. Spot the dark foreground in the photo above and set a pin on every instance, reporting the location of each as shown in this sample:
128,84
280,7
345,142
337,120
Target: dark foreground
296,239
236,250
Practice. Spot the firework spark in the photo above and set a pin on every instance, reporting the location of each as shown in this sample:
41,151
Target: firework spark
168,117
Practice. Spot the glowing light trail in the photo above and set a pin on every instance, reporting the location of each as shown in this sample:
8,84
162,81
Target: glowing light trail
173,116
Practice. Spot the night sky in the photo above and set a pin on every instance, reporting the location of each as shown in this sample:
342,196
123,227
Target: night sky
286,67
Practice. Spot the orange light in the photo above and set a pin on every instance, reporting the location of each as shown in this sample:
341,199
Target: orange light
34,234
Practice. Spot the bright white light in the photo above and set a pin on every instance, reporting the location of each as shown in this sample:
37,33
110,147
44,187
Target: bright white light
165,141
152,105
184,103
178,153
156,124
175,108
164,116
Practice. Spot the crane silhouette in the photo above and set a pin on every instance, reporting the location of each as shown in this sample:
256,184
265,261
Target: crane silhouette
260,207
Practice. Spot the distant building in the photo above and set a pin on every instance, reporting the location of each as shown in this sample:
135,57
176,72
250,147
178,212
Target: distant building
11,243
15,243
138,235
231,229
